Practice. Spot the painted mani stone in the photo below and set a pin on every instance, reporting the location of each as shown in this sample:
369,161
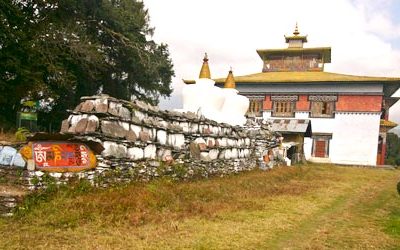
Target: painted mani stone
59,156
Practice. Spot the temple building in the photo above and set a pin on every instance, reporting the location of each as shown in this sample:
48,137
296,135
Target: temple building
348,114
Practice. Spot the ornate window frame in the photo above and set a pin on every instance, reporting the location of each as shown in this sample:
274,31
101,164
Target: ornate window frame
284,105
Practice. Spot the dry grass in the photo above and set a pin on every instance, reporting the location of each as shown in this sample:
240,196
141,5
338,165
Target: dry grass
6,138
315,207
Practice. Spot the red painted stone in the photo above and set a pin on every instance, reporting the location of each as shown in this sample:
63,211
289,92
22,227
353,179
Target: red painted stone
202,146
59,156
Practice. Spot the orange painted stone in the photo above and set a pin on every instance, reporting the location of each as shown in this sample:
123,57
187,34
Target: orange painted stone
53,156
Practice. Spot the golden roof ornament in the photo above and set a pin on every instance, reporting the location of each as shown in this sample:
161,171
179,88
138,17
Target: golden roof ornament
296,41
230,81
205,70
296,30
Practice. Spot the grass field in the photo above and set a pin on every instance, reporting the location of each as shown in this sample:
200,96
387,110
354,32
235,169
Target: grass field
309,207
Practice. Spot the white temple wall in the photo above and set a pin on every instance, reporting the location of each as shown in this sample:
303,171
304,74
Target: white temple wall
355,138
267,115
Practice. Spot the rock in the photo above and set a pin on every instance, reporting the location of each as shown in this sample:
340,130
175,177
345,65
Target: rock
174,127
71,129
168,159
162,153
213,154
190,115
223,142
113,108
234,153
162,137
6,155
131,136
144,136
207,131
124,113
231,142
74,119
124,125
113,129
222,154
135,129
194,128
135,153
150,151
136,120
56,175
18,161
39,173
142,105
176,140
31,165
184,126
93,124
202,144
210,142
101,108
81,126
64,126
114,150
204,156
139,115
87,106
194,150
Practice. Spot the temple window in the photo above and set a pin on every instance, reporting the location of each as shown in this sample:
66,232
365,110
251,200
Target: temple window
283,106
322,106
255,107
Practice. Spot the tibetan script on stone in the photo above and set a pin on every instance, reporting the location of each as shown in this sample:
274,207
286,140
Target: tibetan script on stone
59,156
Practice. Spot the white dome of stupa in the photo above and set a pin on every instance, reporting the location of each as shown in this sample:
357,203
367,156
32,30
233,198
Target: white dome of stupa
218,104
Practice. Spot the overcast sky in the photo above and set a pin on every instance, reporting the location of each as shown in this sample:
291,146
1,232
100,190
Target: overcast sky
364,35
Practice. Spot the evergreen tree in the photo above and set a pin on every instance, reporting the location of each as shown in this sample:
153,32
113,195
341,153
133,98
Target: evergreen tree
393,149
57,51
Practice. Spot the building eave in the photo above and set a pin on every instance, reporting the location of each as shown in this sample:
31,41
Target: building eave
306,77
387,124
324,51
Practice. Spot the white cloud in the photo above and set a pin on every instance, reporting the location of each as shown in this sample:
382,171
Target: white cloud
359,33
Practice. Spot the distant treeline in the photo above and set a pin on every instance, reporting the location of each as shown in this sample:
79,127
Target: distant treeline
393,149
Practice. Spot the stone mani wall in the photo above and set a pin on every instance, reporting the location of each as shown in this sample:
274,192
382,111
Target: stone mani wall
141,143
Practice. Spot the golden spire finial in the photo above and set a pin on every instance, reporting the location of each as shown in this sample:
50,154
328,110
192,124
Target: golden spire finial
205,70
296,30
230,81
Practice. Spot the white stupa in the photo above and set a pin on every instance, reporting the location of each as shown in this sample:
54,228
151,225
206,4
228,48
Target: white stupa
221,105
203,96
235,106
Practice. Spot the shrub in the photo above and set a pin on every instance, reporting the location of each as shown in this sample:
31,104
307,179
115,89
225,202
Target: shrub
22,134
